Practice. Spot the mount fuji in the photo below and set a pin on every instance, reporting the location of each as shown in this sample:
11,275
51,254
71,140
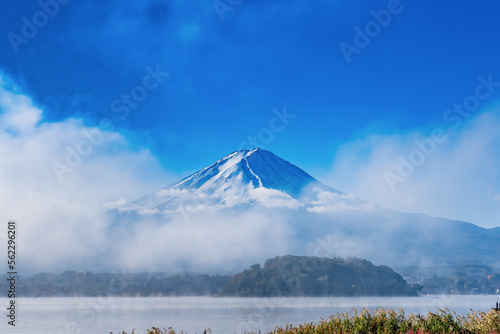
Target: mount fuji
254,190
243,177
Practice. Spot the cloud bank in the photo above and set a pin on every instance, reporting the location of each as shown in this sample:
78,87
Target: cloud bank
441,171
59,215
63,223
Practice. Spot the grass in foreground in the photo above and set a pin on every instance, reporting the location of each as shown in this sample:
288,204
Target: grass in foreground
389,321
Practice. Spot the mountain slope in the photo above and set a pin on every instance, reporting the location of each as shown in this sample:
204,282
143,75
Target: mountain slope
239,178
260,200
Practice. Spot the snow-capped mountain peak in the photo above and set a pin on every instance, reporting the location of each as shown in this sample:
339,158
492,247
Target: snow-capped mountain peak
241,177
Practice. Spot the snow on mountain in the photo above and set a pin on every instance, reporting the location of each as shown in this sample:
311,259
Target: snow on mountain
243,177
273,202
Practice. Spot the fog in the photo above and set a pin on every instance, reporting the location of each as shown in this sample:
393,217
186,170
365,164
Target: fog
454,177
65,205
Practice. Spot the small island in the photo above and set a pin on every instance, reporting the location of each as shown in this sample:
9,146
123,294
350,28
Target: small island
318,276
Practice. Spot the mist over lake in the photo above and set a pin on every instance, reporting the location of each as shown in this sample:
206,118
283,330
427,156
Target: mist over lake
222,315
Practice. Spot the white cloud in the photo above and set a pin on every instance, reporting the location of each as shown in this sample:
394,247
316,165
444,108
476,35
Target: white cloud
336,203
209,241
453,180
271,198
60,223
19,115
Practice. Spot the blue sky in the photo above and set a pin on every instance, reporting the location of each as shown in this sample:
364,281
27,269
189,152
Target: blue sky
225,78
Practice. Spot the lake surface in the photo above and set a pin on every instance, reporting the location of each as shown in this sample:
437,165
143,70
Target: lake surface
194,314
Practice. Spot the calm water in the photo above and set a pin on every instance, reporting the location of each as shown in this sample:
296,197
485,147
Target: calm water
193,314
